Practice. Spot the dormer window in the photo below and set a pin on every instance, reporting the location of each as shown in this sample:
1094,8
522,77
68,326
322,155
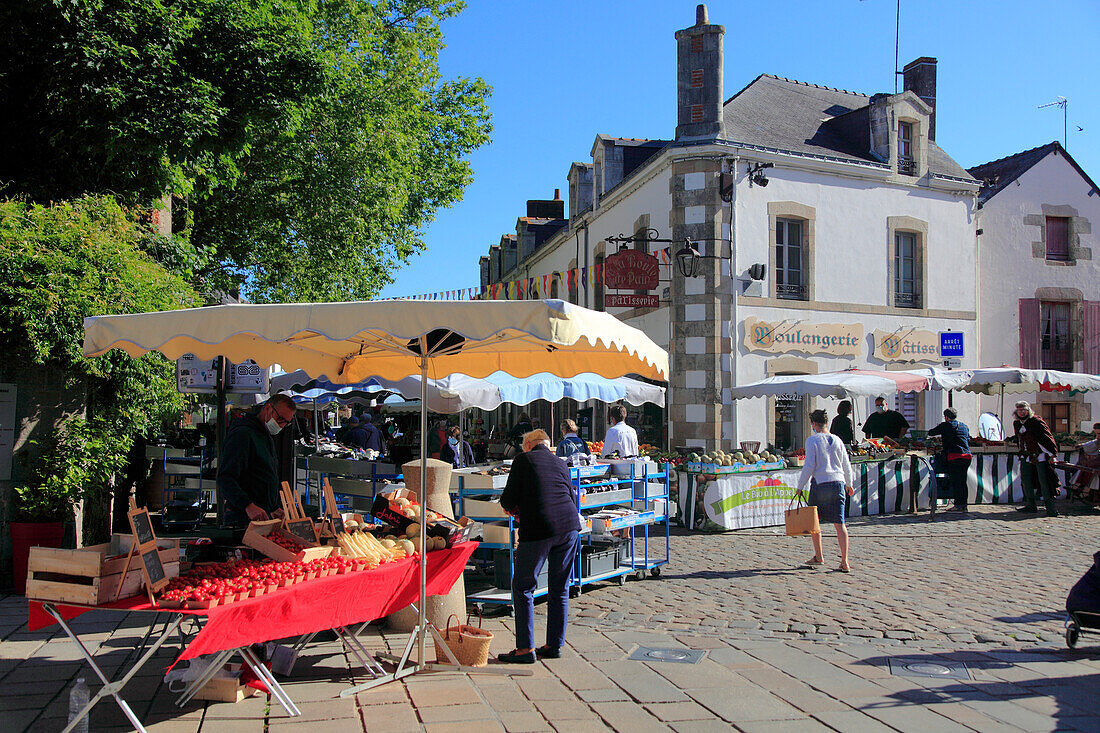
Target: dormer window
907,164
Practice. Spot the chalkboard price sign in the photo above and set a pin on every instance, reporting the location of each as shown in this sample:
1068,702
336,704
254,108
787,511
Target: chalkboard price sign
337,523
143,528
154,569
303,530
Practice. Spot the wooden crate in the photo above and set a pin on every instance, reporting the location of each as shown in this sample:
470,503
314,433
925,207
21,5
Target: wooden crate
226,686
256,537
92,575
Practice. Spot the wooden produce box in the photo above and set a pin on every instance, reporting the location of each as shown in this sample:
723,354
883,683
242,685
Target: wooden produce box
92,575
226,686
472,480
257,537
484,508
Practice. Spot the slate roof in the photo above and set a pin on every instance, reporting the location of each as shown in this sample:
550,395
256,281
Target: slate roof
999,173
806,119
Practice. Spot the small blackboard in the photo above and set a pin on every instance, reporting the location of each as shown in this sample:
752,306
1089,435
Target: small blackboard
337,523
303,530
143,528
154,569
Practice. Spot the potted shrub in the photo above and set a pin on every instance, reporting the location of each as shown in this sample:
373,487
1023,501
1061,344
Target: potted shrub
39,513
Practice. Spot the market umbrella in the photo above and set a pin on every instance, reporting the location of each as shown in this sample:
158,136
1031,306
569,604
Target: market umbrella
349,342
1013,380
832,384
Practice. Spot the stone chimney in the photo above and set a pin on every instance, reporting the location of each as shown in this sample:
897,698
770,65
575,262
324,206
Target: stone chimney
920,78
699,79
580,189
546,208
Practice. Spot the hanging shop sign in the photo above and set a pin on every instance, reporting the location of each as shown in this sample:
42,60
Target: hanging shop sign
836,339
631,269
630,300
201,375
906,345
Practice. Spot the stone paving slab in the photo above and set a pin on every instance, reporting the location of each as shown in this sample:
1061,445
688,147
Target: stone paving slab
786,650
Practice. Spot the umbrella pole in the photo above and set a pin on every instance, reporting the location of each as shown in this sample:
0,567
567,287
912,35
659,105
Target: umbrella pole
1003,409
422,627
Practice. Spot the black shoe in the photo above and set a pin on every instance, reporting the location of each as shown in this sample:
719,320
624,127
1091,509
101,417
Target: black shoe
1028,509
1053,513
548,652
513,657
959,509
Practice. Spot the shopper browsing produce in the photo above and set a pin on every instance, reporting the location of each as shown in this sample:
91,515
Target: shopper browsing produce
570,443
956,454
540,494
456,451
621,440
248,476
829,474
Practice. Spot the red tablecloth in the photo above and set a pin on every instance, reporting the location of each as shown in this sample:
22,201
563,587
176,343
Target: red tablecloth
315,605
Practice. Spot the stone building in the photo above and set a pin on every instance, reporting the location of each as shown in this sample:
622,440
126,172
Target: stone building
831,232
1040,284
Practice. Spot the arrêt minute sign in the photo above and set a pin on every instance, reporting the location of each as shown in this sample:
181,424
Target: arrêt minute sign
630,269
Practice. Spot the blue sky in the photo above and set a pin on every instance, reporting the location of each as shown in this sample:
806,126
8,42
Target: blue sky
563,72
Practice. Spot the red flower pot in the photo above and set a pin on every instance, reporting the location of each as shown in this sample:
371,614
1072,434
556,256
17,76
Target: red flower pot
24,536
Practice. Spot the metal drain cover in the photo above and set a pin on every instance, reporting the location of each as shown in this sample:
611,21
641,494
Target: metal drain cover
679,655
939,668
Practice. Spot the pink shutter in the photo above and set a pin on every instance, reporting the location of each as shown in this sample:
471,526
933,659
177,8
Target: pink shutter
1031,342
1092,336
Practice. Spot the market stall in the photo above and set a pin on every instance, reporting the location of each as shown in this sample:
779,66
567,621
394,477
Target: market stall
351,342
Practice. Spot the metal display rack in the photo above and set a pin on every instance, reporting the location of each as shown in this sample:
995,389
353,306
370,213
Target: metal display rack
636,489
182,476
350,480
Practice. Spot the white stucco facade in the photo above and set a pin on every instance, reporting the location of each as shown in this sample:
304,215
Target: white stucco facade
1013,266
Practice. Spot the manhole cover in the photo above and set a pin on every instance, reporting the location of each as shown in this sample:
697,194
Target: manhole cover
929,668
682,656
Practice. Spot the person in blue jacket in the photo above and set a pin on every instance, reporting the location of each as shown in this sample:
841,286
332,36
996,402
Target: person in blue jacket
570,442
955,437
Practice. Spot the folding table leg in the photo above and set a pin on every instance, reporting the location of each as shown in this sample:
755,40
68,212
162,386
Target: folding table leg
110,688
268,679
366,659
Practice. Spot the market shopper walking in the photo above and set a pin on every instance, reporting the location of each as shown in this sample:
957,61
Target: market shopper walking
248,473
1037,449
955,453
540,494
829,473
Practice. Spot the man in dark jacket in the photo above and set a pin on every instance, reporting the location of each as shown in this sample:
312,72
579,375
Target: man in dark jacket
884,423
540,494
248,474
955,437
1037,449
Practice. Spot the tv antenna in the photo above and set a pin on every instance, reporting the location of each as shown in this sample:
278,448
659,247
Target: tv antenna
1064,104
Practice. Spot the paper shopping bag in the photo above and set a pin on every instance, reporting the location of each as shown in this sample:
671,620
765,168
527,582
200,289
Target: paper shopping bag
801,519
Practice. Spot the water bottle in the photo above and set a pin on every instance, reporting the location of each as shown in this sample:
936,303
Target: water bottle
78,698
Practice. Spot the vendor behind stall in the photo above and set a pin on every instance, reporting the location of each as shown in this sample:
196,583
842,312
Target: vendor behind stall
248,476
621,439
884,423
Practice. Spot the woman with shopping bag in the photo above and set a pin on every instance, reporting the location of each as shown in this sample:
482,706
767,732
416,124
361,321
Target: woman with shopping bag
829,473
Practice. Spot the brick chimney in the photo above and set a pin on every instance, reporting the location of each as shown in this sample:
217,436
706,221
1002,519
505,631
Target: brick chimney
699,79
920,78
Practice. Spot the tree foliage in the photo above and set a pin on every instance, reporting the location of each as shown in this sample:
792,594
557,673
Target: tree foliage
307,142
58,264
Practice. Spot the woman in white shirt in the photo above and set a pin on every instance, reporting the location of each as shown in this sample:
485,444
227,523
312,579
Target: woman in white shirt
829,473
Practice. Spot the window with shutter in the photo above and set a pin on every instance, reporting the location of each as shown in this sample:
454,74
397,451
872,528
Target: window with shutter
1091,337
1054,332
1030,341
1057,236
906,403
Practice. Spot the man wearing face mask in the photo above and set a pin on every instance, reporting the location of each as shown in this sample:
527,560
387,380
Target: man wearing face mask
248,474
883,423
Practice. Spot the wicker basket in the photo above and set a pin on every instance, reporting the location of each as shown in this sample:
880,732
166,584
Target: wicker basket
469,644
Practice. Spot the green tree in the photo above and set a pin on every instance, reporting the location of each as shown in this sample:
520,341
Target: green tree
306,142
58,264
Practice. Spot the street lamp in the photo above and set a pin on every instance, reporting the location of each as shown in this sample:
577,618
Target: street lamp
686,258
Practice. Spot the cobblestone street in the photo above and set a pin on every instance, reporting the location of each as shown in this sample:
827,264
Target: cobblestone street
973,601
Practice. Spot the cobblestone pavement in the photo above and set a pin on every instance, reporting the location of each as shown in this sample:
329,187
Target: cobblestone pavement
973,601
